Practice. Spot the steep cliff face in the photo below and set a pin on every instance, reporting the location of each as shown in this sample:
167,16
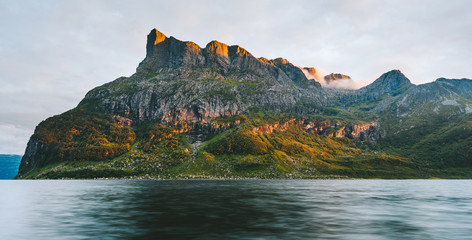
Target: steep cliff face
163,53
312,73
77,135
179,81
363,132
169,54
35,155
359,131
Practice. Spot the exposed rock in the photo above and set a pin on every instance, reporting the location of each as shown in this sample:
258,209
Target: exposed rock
35,155
334,77
168,83
312,73
391,81
122,121
363,132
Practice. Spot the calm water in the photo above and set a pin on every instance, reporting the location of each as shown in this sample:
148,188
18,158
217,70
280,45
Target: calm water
237,209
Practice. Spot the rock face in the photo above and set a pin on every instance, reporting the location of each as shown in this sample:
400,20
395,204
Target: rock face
35,154
169,54
171,83
361,131
182,88
334,77
338,81
311,73
388,82
392,83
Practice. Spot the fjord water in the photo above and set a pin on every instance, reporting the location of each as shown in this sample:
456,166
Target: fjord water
9,165
236,209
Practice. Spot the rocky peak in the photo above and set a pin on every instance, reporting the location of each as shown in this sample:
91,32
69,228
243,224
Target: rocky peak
217,57
311,72
217,48
154,37
279,61
263,59
237,51
293,72
222,50
335,76
337,81
392,80
168,52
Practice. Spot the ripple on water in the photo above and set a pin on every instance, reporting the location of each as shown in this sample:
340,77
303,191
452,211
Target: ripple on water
236,209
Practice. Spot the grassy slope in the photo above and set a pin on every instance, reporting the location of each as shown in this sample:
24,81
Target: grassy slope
432,136
240,153
421,146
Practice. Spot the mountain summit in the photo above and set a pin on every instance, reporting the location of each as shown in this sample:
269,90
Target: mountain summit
219,112
335,76
392,80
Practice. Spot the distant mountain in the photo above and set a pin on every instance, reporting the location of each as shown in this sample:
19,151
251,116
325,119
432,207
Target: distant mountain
335,76
312,73
219,112
9,165
338,81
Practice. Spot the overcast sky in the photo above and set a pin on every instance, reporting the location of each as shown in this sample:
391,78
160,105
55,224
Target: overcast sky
53,51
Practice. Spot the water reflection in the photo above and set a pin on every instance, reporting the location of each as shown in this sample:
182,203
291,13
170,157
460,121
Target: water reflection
245,209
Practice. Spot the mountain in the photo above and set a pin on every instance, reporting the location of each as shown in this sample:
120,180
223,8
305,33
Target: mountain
312,73
338,81
333,77
219,112
9,165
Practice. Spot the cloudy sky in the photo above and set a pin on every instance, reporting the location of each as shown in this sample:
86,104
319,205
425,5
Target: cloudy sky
53,51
